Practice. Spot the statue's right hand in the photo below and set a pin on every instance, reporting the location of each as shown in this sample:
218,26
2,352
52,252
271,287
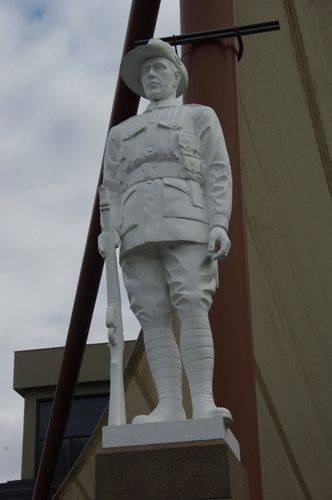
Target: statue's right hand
102,245
102,242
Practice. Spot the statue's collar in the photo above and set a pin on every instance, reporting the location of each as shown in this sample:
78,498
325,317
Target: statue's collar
165,103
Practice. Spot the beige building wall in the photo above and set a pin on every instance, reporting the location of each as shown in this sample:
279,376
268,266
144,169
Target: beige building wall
286,118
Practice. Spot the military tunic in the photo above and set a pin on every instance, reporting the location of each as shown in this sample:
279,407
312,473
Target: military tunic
169,175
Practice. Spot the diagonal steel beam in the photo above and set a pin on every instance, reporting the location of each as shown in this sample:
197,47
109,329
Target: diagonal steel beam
141,24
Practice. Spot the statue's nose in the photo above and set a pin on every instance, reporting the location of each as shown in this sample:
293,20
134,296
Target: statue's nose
151,73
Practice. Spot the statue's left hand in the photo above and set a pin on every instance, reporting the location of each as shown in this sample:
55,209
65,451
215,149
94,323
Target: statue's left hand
219,243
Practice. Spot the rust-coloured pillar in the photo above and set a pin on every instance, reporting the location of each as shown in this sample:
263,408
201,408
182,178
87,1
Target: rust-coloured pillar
212,68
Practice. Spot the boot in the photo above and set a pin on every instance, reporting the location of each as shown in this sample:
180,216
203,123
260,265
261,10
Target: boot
165,365
197,352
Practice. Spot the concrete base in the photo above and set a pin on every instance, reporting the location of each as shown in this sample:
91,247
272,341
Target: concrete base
205,429
191,470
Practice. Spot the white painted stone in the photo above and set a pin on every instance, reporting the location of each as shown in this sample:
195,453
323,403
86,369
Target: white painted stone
169,432
170,189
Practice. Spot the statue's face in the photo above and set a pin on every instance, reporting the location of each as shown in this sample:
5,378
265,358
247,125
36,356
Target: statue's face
159,78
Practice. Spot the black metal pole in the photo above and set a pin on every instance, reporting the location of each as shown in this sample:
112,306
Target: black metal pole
200,36
142,21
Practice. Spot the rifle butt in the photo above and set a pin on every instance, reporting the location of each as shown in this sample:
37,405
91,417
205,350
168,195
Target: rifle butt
117,406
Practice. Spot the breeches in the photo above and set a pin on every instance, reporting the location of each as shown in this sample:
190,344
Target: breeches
162,278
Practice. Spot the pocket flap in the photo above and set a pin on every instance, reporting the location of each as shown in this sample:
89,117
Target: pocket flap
188,143
180,184
170,124
197,196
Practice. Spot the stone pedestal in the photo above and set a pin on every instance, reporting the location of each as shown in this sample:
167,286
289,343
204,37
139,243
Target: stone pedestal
199,470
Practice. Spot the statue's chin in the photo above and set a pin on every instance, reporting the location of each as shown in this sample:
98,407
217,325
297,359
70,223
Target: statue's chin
154,95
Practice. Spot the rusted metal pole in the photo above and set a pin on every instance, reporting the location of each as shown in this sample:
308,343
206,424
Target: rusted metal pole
141,24
212,67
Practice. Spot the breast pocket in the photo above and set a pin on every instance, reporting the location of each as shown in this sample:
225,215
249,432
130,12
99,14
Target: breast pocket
129,210
190,153
178,201
167,130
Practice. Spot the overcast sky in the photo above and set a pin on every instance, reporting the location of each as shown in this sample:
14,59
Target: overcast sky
59,65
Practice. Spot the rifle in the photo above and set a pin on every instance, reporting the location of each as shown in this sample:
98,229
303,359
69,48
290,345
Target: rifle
117,409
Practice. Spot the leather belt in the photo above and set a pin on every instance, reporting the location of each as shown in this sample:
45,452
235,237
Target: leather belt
150,171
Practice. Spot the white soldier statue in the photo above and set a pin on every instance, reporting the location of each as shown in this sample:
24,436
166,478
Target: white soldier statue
169,182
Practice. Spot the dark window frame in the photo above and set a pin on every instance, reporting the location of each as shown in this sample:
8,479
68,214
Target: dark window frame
68,438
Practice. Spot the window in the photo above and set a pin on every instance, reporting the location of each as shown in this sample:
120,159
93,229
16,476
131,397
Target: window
83,417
